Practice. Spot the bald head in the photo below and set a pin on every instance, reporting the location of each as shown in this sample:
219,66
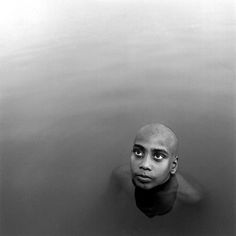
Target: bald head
158,132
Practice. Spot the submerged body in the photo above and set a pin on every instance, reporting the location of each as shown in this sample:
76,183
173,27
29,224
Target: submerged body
151,175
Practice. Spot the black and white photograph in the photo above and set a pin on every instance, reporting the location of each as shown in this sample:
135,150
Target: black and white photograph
117,117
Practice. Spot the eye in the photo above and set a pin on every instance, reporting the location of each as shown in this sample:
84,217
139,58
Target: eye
158,157
138,153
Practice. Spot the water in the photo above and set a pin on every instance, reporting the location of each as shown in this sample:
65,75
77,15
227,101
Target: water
79,79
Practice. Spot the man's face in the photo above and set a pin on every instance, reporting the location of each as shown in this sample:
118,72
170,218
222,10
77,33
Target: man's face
152,159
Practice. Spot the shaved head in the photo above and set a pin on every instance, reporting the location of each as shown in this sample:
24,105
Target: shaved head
154,157
157,131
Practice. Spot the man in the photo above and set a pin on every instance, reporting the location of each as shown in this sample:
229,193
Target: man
152,173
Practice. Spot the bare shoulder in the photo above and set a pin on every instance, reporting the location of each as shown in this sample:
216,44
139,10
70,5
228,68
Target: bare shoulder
121,176
122,171
189,191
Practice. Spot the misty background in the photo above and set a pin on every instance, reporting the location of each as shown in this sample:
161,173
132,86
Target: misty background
78,78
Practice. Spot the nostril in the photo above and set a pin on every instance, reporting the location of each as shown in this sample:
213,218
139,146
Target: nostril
145,165
144,168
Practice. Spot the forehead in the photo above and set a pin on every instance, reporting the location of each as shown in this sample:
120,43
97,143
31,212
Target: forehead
156,137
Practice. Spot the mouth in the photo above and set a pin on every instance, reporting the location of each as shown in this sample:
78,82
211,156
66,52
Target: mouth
143,178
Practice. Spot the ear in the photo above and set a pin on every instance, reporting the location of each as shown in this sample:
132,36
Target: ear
174,165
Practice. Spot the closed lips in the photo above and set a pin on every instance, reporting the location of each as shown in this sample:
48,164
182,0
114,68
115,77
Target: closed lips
144,176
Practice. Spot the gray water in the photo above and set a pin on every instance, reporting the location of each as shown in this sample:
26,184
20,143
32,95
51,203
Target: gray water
78,78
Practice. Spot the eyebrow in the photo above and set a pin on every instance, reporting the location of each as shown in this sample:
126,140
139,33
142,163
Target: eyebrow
138,146
154,149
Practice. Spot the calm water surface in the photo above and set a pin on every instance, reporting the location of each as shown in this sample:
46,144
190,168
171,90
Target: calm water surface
77,81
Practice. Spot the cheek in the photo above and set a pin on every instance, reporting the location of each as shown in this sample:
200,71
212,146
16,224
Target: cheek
162,168
134,160
133,163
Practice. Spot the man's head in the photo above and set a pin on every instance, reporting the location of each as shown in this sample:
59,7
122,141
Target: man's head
154,156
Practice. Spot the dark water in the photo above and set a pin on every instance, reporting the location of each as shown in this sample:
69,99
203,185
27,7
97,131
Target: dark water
76,84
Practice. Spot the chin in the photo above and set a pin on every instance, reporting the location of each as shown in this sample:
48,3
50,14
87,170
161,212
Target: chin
145,186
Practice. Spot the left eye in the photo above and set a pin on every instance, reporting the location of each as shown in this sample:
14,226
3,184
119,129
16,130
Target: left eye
158,157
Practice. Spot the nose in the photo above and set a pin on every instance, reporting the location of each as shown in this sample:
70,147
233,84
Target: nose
145,164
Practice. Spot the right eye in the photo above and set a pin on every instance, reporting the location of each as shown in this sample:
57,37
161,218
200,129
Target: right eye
138,153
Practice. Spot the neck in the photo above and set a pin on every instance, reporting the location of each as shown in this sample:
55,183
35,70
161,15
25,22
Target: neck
158,200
